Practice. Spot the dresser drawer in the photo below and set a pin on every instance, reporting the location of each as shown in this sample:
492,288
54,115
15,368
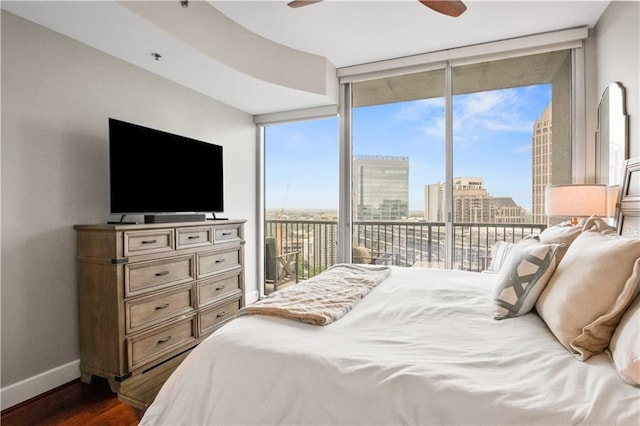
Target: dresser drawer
210,319
214,289
146,347
211,262
224,234
194,237
148,310
147,276
147,242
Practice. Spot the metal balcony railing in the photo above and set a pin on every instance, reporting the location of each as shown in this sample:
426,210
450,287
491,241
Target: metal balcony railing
402,243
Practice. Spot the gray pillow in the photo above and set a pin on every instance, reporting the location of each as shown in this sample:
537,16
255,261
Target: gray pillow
523,277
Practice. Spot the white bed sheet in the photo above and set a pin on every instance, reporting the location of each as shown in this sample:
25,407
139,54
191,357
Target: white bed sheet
421,348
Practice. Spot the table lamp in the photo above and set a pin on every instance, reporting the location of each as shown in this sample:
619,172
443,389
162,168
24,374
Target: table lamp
576,200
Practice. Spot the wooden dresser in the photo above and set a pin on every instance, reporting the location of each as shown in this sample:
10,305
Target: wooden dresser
149,293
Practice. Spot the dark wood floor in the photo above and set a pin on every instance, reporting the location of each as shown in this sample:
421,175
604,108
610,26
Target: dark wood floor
75,403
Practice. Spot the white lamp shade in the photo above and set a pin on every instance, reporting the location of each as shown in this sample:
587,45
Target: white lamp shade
576,200
613,192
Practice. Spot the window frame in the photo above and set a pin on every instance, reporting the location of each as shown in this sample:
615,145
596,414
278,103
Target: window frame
581,148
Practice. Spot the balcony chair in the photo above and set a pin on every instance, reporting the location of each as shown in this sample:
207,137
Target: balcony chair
362,255
279,269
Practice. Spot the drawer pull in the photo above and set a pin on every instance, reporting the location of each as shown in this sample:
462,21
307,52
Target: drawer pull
220,288
219,260
149,241
166,305
165,340
221,314
194,237
159,274
226,234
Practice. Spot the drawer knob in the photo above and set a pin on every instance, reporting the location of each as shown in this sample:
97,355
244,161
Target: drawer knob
226,234
166,305
149,241
194,237
220,288
219,260
159,274
221,314
165,340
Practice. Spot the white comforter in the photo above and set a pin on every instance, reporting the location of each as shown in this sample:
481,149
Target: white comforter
421,348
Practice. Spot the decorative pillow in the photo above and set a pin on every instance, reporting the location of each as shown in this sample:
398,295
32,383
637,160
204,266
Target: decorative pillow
625,345
590,290
563,234
501,250
523,277
596,223
361,254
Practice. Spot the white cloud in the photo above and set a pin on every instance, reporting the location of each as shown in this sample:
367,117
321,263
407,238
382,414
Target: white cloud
475,114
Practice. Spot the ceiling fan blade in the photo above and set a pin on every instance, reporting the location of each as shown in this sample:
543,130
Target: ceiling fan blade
453,8
300,3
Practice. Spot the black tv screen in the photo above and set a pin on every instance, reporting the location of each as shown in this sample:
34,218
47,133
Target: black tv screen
152,171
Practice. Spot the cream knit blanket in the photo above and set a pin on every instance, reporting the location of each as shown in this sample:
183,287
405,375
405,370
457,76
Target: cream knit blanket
323,299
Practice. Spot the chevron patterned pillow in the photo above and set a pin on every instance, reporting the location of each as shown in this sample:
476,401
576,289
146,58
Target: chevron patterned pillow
523,277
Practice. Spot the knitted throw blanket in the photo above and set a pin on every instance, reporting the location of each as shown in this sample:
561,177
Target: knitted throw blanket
323,299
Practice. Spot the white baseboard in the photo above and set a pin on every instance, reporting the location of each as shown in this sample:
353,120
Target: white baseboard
36,385
251,297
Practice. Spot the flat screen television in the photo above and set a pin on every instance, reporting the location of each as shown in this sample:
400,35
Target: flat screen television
154,172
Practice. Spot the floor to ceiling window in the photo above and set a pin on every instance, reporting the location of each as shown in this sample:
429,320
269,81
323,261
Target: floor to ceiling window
398,150
509,142
441,163
511,138
300,200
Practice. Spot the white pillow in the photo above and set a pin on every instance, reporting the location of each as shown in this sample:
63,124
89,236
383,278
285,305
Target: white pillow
500,251
563,234
625,345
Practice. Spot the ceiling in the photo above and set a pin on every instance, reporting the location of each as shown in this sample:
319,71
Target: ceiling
336,33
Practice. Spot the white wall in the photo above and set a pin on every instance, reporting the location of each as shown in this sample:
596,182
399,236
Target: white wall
57,95
617,40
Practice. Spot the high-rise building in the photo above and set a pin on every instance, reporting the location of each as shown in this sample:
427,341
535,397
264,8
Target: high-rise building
471,204
541,145
380,187
507,211
434,202
471,201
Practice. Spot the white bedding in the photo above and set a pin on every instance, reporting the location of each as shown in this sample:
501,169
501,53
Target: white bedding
421,348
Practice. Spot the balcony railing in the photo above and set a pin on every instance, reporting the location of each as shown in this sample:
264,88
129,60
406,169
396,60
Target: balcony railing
409,244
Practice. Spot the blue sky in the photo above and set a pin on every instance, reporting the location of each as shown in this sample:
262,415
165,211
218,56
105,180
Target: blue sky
492,140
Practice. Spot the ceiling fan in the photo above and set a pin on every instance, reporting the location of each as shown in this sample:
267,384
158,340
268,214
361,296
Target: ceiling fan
451,8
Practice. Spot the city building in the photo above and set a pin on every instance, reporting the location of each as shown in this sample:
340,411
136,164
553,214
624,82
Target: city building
541,151
507,211
472,203
380,187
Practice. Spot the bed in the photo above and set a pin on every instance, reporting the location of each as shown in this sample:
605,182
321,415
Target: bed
424,346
